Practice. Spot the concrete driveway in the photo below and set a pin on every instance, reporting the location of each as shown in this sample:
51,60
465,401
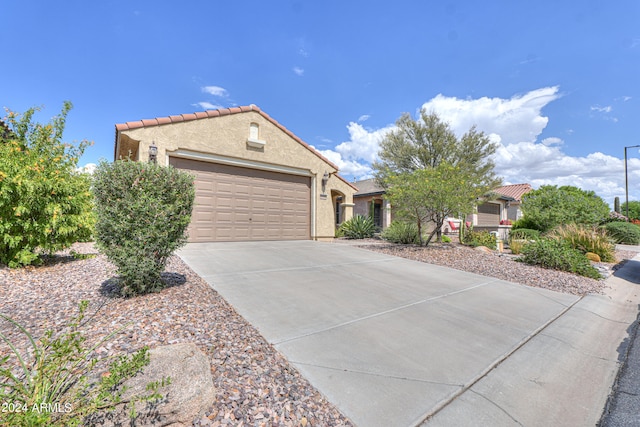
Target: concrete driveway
396,342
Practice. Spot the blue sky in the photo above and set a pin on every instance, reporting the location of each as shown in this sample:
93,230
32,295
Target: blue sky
555,83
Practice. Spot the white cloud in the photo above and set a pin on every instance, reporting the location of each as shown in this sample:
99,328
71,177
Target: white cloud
363,118
348,168
215,91
207,105
552,141
88,168
606,109
515,124
514,120
298,71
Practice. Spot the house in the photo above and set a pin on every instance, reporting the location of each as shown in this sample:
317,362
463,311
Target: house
369,200
493,215
498,214
254,179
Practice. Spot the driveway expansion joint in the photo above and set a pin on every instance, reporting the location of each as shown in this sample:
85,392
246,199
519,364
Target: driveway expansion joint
375,374
385,312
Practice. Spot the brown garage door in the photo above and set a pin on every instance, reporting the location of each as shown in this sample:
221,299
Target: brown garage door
488,214
236,204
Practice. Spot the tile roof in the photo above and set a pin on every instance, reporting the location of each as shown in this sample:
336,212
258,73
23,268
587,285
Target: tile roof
515,191
368,187
158,121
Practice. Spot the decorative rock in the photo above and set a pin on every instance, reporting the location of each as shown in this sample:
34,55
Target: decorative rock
592,257
189,395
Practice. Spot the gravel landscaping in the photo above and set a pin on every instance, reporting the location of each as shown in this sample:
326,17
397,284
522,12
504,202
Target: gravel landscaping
255,385
500,265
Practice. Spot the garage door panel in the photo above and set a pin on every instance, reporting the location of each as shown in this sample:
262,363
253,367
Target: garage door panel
234,203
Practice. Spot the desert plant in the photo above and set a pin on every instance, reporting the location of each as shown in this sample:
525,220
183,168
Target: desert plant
480,238
143,211
557,255
358,227
401,232
45,204
586,239
516,245
446,239
623,232
50,384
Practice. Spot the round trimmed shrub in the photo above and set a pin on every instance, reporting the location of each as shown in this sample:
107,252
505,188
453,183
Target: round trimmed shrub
624,233
143,211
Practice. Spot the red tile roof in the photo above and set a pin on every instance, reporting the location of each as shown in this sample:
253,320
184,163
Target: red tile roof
218,113
515,191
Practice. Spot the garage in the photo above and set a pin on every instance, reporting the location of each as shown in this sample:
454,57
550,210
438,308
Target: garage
242,204
254,179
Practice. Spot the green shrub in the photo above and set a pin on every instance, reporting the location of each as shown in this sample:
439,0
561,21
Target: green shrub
405,233
358,227
624,233
480,238
55,373
551,206
143,211
586,239
45,205
557,255
524,223
446,239
524,234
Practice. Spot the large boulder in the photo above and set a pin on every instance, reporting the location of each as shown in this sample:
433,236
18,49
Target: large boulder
189,395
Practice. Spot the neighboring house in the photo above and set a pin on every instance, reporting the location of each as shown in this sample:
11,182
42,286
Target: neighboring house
254,179
494,215
498,214
370,197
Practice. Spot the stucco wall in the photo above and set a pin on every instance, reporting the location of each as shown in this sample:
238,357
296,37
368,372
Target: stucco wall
226,137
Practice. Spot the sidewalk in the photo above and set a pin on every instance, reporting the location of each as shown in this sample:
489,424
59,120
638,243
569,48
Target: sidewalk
623,406
563,376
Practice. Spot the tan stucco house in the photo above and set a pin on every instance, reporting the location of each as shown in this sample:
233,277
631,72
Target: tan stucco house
254,179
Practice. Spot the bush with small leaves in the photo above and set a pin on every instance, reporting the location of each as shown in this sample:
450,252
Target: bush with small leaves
402,232
358,227
524,234
45,204
480,238
52,383
558,255
624,233
143,211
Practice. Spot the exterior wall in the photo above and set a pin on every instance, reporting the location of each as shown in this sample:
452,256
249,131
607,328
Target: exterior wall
362,207
226,139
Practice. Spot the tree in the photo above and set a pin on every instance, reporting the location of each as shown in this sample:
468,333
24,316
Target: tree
429,173
634,209
428,141
550,206
143,212
425,195
45,204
